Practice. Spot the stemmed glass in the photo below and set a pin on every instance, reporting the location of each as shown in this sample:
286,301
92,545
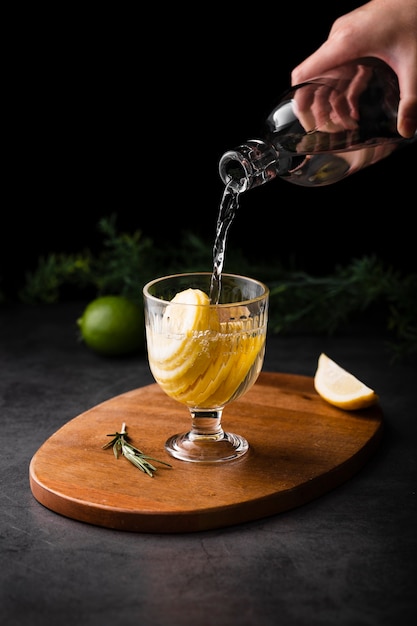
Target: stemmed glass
205,355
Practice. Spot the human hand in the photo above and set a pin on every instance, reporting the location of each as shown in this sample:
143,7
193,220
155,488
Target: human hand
332,105
385,29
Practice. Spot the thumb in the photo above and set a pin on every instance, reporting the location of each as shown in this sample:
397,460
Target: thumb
407,117
407,110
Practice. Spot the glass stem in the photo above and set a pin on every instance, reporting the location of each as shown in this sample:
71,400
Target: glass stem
206,425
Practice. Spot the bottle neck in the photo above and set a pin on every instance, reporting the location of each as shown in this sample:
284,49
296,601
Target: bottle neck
250,165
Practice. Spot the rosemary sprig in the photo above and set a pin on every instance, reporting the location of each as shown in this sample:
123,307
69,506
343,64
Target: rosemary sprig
134,455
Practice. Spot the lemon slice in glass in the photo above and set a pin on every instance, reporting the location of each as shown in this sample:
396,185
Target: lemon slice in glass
340,388
179,344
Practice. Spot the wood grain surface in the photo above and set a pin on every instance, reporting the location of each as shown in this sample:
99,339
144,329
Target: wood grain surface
300,448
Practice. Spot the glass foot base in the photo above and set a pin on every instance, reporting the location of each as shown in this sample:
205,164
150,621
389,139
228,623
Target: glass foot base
188,447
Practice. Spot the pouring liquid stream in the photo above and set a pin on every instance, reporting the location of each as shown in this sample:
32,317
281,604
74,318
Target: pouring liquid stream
228,208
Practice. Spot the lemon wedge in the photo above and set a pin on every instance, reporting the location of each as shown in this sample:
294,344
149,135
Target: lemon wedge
340,388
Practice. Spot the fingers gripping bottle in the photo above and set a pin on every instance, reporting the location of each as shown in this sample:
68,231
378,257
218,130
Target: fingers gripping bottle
323,130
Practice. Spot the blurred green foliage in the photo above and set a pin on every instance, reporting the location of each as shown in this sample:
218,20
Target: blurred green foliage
298,301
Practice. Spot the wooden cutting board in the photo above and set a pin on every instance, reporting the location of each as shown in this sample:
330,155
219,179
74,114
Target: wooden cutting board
300,448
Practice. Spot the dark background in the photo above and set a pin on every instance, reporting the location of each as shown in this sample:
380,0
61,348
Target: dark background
127,114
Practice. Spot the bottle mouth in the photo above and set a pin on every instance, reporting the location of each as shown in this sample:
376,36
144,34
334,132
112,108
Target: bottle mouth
250,165
234,169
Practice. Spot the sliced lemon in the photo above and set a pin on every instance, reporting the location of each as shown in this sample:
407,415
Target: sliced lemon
340,388
199,354
233,355
180,340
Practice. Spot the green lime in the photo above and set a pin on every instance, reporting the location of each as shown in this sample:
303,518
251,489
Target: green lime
112,326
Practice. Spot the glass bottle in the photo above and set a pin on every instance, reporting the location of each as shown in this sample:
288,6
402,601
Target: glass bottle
323,130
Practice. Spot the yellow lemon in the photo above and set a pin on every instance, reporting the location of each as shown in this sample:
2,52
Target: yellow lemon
179,343
200,355
340,388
